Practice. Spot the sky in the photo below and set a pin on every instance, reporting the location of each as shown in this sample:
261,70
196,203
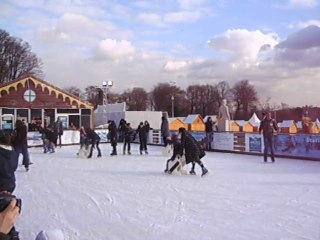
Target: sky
130,197
137,43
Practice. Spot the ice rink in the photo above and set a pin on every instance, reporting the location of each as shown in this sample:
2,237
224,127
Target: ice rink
130,197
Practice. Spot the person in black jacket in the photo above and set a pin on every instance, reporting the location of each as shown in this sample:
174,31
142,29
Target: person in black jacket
268,126
192,151
113,137
8,166
128,133
142,131
58,130
20,144
209,132
94,139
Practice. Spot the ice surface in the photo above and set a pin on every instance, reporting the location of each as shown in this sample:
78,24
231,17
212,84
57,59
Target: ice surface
129,197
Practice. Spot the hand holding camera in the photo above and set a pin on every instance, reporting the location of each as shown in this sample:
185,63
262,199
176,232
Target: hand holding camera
9,212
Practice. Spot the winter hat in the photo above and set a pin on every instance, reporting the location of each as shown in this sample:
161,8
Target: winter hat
55,234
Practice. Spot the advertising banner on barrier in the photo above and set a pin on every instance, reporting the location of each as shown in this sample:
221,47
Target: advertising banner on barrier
254,143
103,134
305,145
223,141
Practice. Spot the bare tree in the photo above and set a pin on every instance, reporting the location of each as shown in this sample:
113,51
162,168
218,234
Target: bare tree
161,97
136,99
16,59
74,91
92,95
245,97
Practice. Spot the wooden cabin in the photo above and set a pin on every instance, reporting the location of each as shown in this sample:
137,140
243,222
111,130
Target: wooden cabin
288,126
38,102
176,123
195,123
245,126
235,127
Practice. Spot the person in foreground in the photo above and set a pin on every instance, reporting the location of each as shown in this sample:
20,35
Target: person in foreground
192,150
267,126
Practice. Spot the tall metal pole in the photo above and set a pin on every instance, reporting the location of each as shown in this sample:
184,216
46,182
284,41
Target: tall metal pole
172,104
173,84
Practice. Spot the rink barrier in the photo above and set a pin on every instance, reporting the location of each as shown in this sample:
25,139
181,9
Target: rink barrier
296,146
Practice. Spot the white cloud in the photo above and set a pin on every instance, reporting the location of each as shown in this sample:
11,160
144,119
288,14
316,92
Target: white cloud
191,4
151,18
115,50
183,16
243,46
305,24
303,3
176,65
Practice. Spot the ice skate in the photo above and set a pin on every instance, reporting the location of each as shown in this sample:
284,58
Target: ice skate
192,172
204,171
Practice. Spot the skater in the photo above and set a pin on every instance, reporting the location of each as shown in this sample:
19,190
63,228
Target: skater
113,137
8,166
176,154
20,144
142,131
49,139
148,128
209,132
192,150
121,129
268,126
128,133
165,130
94,139
58,130
83,136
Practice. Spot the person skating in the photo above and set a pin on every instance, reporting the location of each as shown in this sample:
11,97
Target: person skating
58,130
209,132
128,133
142,131
192,150
267,126
94,139
20,144
113,137
165,130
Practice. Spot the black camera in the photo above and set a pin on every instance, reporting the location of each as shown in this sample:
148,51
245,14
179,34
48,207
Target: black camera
5,200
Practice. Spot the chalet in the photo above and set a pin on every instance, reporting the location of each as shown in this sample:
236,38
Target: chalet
195,123
176,123
288,126
37,102
244,126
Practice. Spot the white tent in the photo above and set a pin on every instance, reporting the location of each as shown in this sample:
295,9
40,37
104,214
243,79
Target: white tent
254,120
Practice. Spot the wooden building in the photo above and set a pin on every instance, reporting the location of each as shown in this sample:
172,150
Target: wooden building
241,126
36,101
235,127
176,123
195,123
288,126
